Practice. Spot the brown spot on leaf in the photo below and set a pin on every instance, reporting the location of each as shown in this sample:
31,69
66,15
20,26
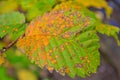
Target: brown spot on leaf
78,65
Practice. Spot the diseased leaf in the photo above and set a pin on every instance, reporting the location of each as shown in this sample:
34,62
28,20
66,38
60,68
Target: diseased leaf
12,23
63,40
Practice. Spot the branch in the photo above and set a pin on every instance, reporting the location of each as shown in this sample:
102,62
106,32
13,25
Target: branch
4,49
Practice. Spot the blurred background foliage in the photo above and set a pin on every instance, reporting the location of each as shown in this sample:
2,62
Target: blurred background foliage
14,65
31,8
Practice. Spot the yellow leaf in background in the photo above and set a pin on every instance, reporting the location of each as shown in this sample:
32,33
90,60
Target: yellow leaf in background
26,75
8,6
98,4
2,59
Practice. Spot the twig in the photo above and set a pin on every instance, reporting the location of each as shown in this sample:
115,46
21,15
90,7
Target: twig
4,49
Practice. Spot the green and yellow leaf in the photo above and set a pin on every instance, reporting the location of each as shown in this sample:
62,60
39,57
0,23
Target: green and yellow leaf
109,30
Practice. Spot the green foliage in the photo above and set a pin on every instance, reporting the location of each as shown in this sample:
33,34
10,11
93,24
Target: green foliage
19,64
32,8
109,30
19,60
36,7
12,23
3,74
